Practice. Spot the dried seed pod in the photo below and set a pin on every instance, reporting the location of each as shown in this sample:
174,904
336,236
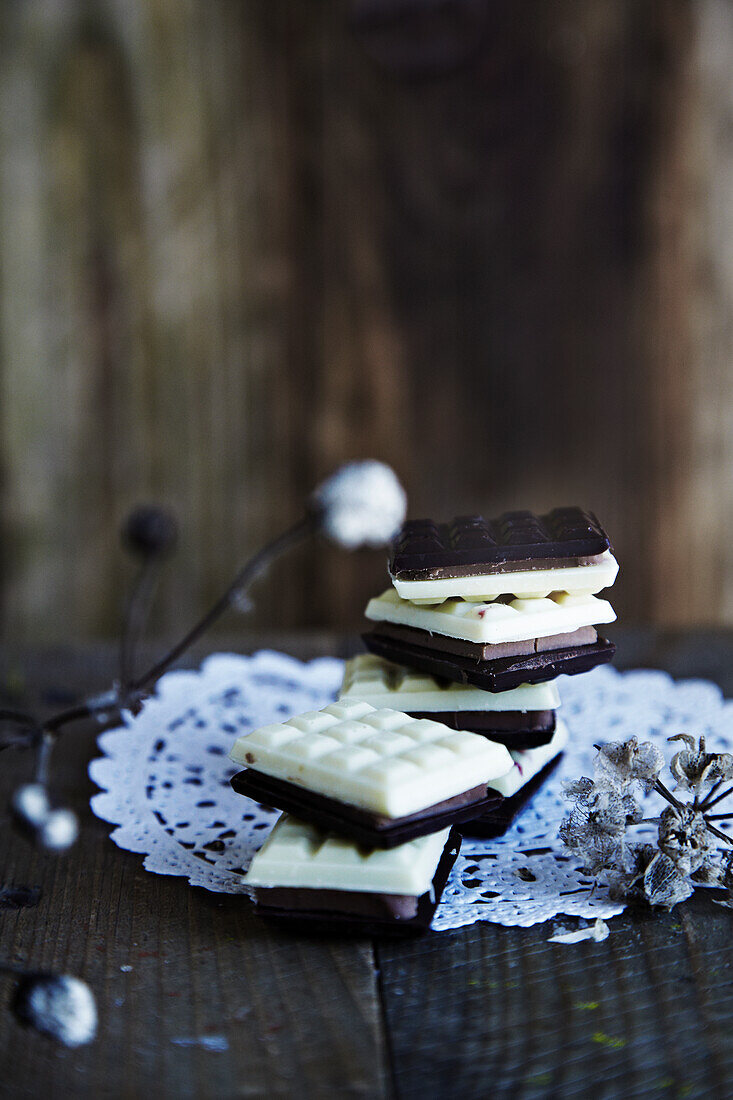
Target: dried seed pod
150,531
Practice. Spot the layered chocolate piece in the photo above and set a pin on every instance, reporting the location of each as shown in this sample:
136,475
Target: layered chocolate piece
565,549
532,768
312,879
498,644
520,718
376,776
498,675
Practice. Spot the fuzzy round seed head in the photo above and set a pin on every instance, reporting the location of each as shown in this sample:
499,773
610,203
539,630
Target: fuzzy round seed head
361,504
60,1006
30,805
150,531
59,831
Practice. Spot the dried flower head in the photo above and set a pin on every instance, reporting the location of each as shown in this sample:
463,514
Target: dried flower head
58,1005
596,825
686,851
693,767
362,504
626,762
684,837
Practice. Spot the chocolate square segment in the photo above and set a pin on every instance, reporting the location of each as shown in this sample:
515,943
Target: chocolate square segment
496,675
476,544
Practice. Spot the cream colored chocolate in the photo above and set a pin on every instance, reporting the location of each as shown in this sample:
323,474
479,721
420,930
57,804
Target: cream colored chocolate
380,760
530,761
514,621
299,855
384,684
577,579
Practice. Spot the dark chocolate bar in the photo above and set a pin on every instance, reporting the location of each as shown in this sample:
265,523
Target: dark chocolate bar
360,913
515,729
486,651
497,675
369,829
471,545
496,822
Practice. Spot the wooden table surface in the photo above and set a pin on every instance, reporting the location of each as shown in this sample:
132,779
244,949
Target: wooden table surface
484,1011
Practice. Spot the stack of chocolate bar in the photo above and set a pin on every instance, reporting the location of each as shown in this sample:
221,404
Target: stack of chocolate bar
374,795
482,616
445,728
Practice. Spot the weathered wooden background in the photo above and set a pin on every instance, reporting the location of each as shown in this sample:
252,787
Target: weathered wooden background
243,240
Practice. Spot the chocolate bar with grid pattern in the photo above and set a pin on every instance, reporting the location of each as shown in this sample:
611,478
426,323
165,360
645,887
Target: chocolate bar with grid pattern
496,675
472,544
356,912
375,759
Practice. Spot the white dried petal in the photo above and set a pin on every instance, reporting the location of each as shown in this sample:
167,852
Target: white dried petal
663,884
576,789
598,932
621,763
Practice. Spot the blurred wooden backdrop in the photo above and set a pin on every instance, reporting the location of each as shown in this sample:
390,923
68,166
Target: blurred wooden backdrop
243,240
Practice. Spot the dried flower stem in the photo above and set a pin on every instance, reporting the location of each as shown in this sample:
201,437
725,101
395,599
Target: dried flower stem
708,803
660,788
136,616
254,568
43,759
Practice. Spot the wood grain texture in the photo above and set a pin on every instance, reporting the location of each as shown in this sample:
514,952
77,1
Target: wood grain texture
480,1011
647,1012
486,242
283,1015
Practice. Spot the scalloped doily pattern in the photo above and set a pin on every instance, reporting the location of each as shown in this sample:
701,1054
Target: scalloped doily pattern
165,776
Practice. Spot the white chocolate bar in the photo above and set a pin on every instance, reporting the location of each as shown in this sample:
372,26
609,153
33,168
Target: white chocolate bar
577,579
380,760
518,620
530,761
384,684
301,856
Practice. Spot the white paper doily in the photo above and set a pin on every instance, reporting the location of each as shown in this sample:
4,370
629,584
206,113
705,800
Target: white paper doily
165,780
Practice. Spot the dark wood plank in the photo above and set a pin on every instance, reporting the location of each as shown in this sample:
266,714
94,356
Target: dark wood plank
485,1010
296,1016
500,1011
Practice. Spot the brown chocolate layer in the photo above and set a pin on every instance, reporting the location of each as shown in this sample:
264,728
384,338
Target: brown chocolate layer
497,675
496,822
504,721
481,651
528,565
394,906
480,722
346,920
361,826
